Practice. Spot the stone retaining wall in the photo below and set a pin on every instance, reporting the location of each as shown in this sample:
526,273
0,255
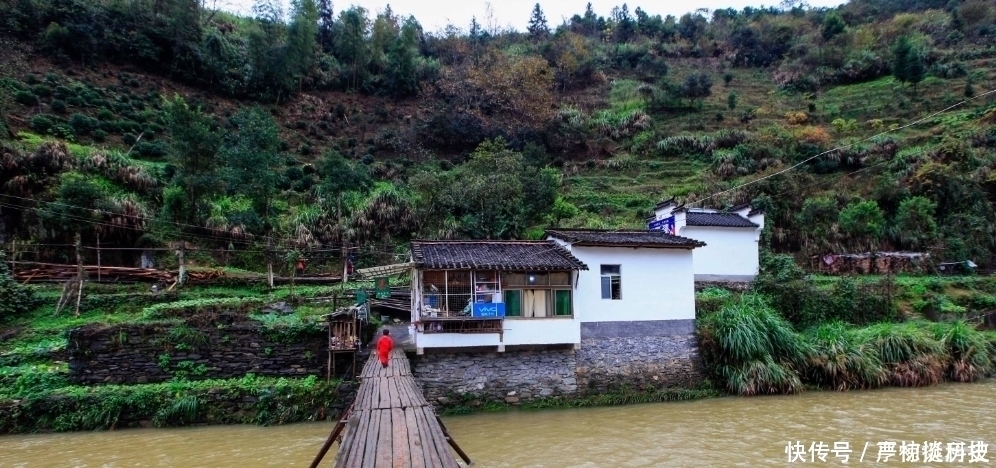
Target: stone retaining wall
146,354
612,355
511,376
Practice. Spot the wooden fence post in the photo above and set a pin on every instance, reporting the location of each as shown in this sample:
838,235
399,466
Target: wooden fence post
269,262
183,263
98,257
79,273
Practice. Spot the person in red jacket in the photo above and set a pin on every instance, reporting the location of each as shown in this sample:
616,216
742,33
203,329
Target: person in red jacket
384,346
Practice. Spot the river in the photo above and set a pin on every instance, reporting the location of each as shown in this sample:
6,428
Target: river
715,432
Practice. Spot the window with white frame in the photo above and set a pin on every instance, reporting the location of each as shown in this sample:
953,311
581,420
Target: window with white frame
611,282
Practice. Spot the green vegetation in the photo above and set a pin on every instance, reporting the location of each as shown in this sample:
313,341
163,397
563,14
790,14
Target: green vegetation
159,124
50,405
261,149
750,349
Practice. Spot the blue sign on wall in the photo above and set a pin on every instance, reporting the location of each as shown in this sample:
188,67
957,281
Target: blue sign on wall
489,309
666,225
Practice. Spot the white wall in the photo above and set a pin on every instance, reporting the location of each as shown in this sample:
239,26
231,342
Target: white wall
517,332
729,252
657,284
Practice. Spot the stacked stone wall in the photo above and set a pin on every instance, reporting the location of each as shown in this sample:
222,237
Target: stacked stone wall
146,354
612,356
511,376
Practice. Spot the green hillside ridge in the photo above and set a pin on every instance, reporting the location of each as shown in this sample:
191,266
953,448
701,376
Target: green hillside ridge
365,129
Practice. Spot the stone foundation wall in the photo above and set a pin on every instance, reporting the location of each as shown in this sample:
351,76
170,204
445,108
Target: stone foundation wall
146,354
510,376
638,355
612,356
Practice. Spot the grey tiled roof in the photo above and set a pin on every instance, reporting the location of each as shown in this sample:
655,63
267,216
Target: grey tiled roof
697,218
493,255
623,238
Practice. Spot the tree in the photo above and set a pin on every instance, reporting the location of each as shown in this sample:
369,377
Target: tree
251,156
402,70
957,22
301,36
833,25
350,44
78,203
15,299
340,176
969,88
697,86
731,100
863,222
817,219
194,151
326,23
623,24
538,29
383,36
586,25
495,195
907,63
915,224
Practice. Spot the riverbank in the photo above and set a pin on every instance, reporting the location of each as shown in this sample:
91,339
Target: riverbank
229,354
28,406
468,403
137,359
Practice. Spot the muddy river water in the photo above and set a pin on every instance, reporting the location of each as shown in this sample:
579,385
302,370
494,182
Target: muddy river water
716,432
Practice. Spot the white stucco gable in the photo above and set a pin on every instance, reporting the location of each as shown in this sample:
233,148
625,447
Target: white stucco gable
632,276
732,238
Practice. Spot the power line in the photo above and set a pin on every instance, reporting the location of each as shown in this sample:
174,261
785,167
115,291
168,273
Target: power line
840,148
332,247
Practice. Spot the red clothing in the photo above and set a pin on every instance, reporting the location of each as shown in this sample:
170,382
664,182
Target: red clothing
384,346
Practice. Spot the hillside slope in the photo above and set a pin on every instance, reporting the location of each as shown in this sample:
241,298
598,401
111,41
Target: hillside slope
378,132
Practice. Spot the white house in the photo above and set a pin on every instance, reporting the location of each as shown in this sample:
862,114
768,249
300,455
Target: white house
731,236
574,284
493,294
632,276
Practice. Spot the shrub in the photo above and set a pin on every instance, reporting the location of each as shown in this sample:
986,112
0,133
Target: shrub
293,173
42,90
15,299
105,114
129,138
83,124
796,118
99,135
151,149
25,97
42,123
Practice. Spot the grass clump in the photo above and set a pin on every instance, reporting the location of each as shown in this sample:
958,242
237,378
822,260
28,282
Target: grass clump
752,349
909,353
971,353
841,360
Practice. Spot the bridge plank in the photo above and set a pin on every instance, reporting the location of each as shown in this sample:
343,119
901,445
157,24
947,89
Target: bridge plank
385,441
392,425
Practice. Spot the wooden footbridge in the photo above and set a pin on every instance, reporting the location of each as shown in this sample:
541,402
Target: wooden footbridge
390,423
